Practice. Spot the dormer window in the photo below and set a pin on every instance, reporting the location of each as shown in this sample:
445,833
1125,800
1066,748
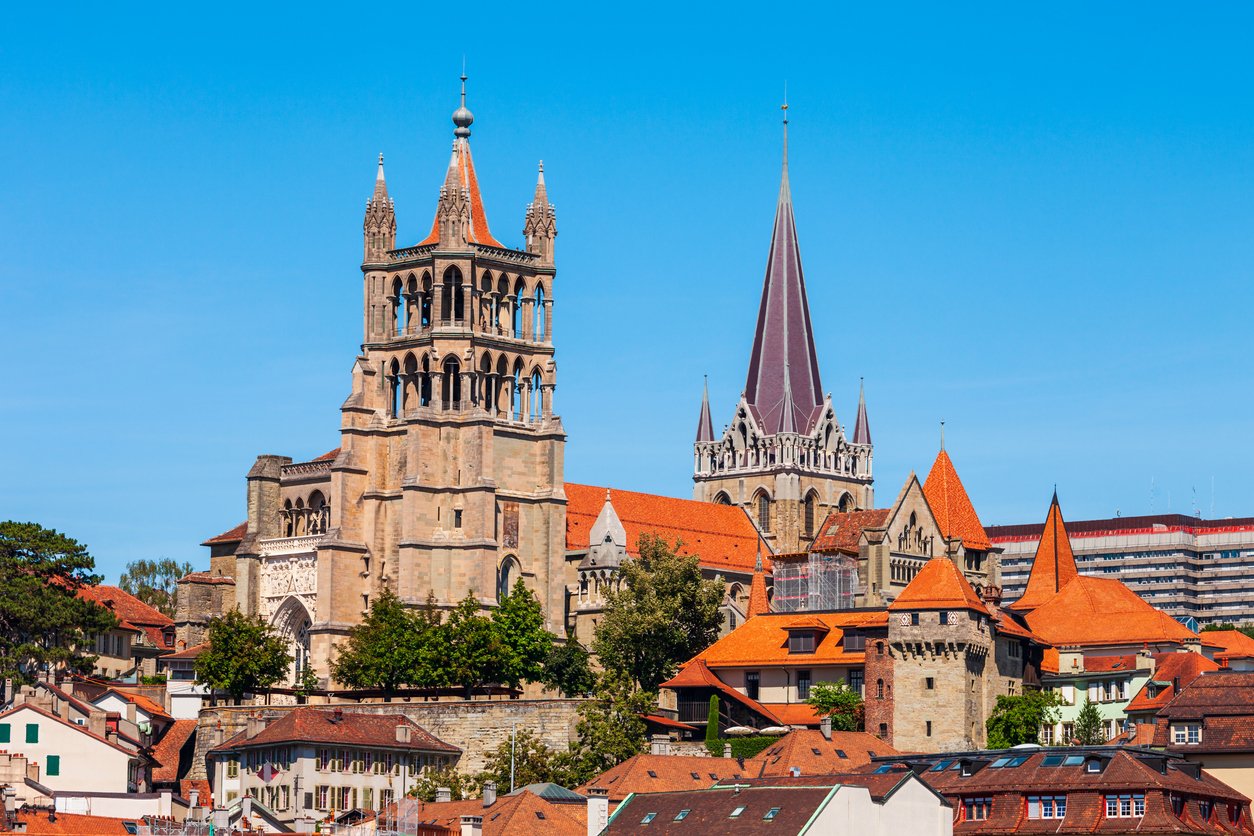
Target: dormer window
855,642
801,641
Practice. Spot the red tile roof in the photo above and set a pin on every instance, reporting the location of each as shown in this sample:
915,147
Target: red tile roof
319,725
1102,611
71,824
143,703
205,577
190,653
1168,667
520,814
764,640
1233,644
462,170
939,585
811,753
722,536
233,536
186,786
126,606
329,456
955,515
168,750
1109,664
696,674
1053,567
841,532
665,773
758,602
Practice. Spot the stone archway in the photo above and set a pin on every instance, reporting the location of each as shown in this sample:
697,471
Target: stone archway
291,622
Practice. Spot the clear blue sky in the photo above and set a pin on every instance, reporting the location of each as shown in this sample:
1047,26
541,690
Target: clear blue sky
1036,224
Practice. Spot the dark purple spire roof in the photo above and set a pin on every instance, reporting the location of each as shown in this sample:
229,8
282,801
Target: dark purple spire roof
783,388
862,427
705,427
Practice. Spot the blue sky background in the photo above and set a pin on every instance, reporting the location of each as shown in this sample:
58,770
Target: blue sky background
1034,223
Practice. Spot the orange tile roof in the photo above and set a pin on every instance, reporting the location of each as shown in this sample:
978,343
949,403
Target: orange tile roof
696,674
1007,625
321,725
764,640
758,602
190,653
841,532
1053,567
1233,644
72,824
233,536
465,174
813,754
168,750
125,606
955,515
793,713
1102,611
520,814
665,773
1170,667
722,535
940,586
147,705
326,457
1050,660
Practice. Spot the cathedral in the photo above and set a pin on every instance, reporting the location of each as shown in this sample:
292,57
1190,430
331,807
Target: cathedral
448,477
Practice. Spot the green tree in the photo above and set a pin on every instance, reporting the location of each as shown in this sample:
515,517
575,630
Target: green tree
155,582
711,724
840,702
610,726
471,649
44,625
243,656
534,762
567,668
662,614
462,786
1018,718
523,642
385,650
1248,629
1088,725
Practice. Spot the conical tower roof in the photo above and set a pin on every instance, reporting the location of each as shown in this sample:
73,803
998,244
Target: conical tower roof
783,387
1053,567
758,602
938,586
955,515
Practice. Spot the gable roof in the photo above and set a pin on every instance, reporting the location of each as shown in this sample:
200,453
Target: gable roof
939,585
126,606
955,515
1233,644
1168,668
842,532
697,674
1103,611
1053,566
709,811
80,729
665,773
143,703
318,725
722,536
169,750
461,175
233,535
810,752
522,813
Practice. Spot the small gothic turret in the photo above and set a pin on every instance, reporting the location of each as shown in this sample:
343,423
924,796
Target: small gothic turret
540,222
862,427
380,224
705,426
453,211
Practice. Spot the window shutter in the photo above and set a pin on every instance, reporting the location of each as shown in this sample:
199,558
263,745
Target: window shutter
4,732
54,766
32,732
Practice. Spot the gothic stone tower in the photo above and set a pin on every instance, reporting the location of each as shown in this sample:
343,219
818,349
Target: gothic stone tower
784,457
448,478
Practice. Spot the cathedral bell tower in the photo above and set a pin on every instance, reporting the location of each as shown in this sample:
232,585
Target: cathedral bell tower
449,477
784,457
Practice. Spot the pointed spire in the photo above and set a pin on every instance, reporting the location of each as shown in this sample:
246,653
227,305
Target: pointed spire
608,528
705,426
540,222
1053,566
955,515
783,386
379,225
758,604
862,427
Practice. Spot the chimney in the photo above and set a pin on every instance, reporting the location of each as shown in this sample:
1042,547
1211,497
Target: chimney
727,750
403,732
443,794
130,712
254,726
598,810
193,798
246,807
794,771
825,728
472,826
660,744
489,793
337,716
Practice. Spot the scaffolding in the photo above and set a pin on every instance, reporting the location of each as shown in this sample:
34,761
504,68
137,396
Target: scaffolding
814,582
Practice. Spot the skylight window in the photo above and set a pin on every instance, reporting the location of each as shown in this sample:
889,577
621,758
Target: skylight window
815,750
648,817
940,766
1017,761
999,763
696,776
771,814
652,774
1052,760
840,753
682,814
1073,760
888,767
735,814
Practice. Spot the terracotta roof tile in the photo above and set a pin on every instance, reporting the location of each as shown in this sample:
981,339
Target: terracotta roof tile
72,824
696,674
1108,664
1233,644
205,577
665,773
169,749
186,785
330,456
1103,611
813,754
520,814
465,172
955,515
758,602
1053,567
126,606
708,810
190,653
939,585
841,532
319,725
143,703
764,640
722,536
232,536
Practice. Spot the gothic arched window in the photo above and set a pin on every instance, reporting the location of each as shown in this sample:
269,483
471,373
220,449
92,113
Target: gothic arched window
452,388
452,305
808,514
764,512
397,301
537,314
505,577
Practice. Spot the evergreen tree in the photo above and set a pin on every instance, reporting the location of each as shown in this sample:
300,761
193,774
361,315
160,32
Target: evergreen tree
155,582
662,614
385,651
244,656
1018,718
44,625
711,725
1089,729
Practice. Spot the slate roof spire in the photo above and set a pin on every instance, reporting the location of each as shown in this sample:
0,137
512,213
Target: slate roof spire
705,427
862,427
783,387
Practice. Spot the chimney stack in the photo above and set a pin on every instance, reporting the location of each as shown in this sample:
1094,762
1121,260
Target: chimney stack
443,794
489,793
403,732
255,725
727,750
825,728
337,716
660,744
472,826
598,810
